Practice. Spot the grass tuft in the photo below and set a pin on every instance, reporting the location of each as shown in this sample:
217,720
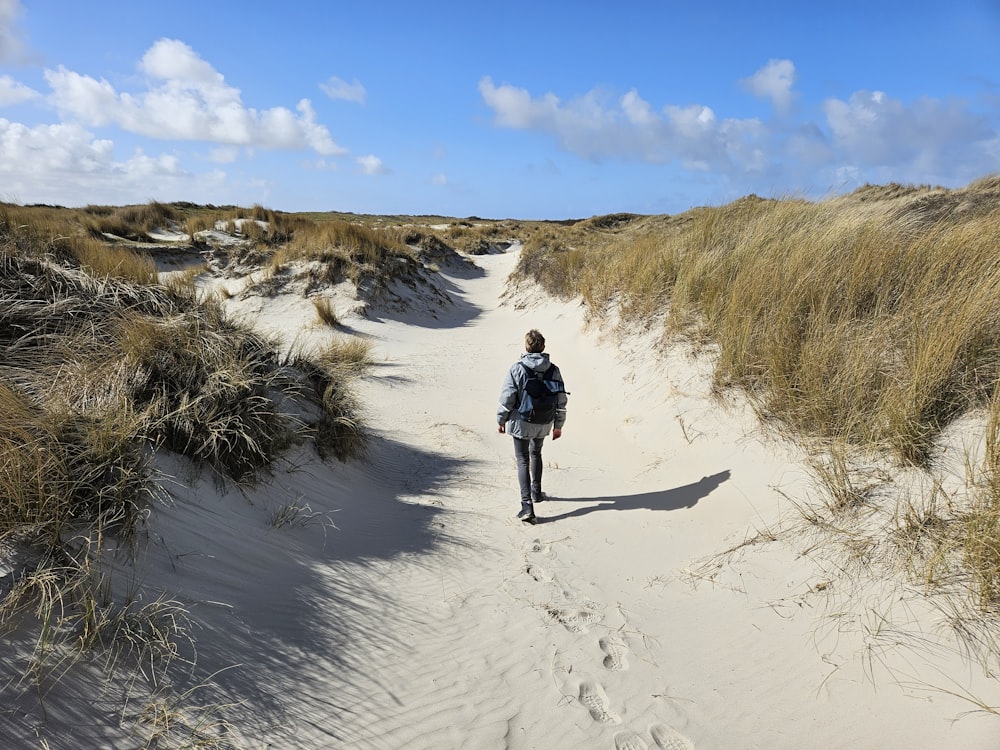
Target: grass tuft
325,311
339,431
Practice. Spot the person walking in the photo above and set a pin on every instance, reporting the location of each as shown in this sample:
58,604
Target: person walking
532,403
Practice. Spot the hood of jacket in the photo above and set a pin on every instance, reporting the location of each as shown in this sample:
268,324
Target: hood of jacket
537,361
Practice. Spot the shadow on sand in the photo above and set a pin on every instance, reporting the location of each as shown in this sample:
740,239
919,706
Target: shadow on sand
429,300
268,611
674,499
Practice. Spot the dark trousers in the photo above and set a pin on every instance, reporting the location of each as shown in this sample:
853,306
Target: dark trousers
528,452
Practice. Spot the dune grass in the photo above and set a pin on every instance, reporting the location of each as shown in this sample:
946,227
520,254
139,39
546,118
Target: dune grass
339,432
346,249
130,222
99,368
100,259
325,312
870,321
59,469
67,235
979,535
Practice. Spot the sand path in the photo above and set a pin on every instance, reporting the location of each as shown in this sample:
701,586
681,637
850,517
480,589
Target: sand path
467,629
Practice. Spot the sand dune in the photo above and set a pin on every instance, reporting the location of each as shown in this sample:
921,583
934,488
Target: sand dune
403,605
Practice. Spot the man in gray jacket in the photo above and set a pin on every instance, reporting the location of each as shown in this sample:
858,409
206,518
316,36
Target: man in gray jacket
529,436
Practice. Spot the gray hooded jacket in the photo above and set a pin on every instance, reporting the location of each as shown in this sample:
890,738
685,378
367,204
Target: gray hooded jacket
510,397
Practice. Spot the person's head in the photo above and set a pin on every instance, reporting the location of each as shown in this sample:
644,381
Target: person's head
534,342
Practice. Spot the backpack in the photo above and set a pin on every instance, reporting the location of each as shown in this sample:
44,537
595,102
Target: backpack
540,396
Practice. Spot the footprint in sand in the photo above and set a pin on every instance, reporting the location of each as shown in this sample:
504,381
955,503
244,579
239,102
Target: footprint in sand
542,548
629,741
615,650
576,619
595,700
668,738
539,574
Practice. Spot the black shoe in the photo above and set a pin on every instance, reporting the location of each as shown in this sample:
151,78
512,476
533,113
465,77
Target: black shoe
540,498
527,516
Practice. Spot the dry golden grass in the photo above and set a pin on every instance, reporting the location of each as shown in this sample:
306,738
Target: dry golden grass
325,311
130,222
60,470
339,432
339,250
871,321
184,283
342,240
32,231
980,530
348,354
99,366
201,223
838,318
101,259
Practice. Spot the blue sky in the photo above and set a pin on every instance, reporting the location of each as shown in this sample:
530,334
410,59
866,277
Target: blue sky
533,110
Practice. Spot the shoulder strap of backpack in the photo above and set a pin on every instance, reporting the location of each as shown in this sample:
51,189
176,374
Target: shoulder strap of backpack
534,373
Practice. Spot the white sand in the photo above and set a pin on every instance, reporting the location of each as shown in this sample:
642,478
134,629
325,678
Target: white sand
431,618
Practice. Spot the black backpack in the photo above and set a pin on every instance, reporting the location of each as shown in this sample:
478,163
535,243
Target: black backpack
540,396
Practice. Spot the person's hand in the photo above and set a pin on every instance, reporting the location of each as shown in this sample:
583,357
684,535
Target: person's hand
501,428
556,433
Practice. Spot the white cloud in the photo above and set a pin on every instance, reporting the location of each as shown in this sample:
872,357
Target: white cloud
173,60
66,164
371,165
774,81
870,136
338,88
45,155
637,109
13,92
693,121
141,167
515,108
187,100
50,149
593,128
92,101
183,98
439,179
316,135
871,129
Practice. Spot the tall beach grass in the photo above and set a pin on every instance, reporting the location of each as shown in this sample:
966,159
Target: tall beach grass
866,317
870,321
100,366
